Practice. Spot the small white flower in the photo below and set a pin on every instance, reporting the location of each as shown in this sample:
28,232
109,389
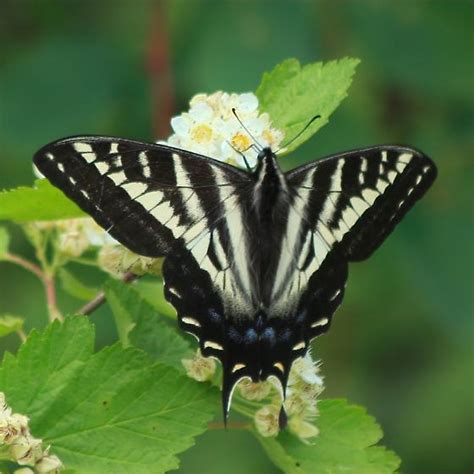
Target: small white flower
118,260
73,243
305,430
266,420
48,463
24,470
306,370
254,390
11,426
23,448
26,450
199,368
210,127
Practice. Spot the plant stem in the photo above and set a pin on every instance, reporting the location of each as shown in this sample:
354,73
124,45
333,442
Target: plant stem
50,288
99,299
46,279
26,264
21,335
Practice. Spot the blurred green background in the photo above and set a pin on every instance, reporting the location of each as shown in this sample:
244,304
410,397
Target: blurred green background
402,342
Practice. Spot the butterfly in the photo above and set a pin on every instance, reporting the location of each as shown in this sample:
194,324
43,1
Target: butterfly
256,261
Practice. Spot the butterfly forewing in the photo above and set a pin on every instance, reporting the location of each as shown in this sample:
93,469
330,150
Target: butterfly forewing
143,194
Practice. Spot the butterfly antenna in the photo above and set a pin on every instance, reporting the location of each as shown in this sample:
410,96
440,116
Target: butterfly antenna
245,128
299,133
241,153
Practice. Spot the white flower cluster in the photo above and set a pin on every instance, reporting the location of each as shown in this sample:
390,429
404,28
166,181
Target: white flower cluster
22,447
304,386
75,236
118,260
210,127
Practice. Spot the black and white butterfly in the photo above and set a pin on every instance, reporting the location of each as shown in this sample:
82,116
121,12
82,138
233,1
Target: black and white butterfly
256,262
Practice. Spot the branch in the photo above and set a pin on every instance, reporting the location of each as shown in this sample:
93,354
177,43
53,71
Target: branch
26,264
99,299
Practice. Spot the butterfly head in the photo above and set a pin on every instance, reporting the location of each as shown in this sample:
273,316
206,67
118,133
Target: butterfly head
265,154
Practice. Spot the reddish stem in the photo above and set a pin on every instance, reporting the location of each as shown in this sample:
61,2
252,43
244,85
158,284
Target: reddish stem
159,70
47,280
27,265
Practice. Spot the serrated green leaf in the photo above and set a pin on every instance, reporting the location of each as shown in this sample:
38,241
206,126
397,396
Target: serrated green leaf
45,363
39,203
293,94
73,286
145,328
10,324
4,241
109,412
345,444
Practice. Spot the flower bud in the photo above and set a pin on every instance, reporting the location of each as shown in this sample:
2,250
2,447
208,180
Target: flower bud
11,427
110,259
254,390
266,420
199,368
48,463
26,449
303,429
73,242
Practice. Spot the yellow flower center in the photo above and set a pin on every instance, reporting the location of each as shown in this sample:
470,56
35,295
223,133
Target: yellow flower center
201,133
268,136
240,141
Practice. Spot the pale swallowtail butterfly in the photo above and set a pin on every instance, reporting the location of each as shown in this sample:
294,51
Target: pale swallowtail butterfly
256,262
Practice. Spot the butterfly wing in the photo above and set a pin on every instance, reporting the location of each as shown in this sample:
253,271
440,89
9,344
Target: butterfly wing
147,196
161,201
343,208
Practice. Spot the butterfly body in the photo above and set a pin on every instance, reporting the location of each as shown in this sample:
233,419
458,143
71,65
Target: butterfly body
256,262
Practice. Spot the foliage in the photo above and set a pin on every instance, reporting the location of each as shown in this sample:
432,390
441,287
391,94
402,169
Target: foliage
345,445
130,405
291,94
42,202
107,412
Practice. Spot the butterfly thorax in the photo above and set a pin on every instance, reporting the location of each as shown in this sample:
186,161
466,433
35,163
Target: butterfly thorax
270,186
269,209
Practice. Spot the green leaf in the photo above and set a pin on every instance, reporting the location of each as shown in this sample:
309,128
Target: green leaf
109,412
292,95
4,242
42,202
75,287
144,327
10,324
152,292
345,444
122,309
